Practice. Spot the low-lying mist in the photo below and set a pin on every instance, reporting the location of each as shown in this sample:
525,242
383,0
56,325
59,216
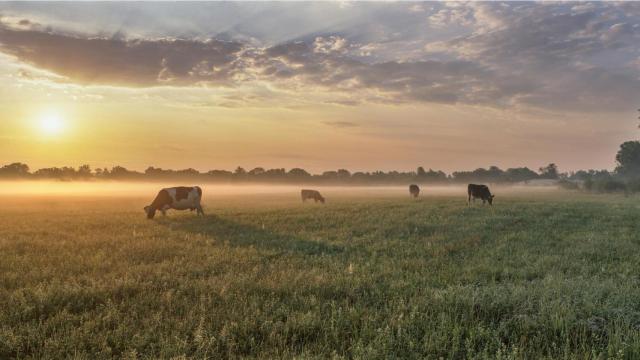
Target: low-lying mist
150,189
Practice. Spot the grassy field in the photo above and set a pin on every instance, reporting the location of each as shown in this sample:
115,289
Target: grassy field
368,275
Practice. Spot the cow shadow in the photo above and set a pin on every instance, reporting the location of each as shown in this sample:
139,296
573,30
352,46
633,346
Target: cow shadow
238,234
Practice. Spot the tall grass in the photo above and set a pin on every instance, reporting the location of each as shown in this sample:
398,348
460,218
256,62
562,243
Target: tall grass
546,276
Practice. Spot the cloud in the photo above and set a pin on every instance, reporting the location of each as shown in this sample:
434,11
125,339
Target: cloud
330,44
341,124
322,63
564,56
115,61
560,56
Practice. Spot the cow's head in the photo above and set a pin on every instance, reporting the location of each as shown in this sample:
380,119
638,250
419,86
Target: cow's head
150,211
490,199
322,199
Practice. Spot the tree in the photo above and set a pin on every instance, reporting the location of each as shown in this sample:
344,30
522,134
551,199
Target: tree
220,174
14,170
120,172
330,175
297,173
275,174
628,159
421,172
343,174
435,176
84,171
257,171
520,174
549,172
494,174
188,173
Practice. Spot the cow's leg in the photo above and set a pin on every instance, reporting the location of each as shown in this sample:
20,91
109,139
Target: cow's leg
200,211
164,212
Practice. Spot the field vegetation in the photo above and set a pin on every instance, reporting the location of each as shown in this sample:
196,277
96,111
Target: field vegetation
371,274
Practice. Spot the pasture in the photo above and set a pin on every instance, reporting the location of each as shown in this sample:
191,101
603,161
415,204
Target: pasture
371,274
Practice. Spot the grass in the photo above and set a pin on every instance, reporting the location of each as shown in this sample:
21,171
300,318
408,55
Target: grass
535,276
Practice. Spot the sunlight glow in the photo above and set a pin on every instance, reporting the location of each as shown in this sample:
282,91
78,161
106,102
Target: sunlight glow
51,124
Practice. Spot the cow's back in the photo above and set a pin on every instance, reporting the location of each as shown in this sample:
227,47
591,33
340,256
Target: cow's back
185,197
479,191
309,194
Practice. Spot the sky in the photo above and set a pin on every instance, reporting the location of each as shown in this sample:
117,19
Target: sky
318,85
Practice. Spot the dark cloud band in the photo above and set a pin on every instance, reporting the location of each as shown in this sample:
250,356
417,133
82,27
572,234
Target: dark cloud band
569,56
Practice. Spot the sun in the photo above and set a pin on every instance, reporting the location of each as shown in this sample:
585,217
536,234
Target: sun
51,124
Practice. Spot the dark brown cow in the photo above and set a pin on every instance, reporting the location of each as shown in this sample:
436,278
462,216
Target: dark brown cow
414,190
479,192
311,194
178,198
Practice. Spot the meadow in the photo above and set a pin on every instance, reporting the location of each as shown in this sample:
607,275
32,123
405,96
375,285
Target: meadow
372,274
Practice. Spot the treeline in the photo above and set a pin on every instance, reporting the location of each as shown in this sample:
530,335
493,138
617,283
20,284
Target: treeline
493,174
625,177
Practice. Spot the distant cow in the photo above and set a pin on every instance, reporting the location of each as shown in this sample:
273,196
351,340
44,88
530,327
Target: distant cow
414,190
479,192
311,194
178,198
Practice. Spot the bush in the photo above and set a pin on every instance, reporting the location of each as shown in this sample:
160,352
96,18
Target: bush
568,184
605,185
633,186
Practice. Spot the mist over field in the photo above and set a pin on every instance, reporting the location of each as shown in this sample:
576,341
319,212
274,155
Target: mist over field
115,189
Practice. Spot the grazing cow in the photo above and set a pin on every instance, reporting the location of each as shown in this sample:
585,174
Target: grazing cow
178,198
311,194
481,192
414,190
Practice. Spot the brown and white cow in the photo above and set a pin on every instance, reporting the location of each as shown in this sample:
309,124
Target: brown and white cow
311,194
178,198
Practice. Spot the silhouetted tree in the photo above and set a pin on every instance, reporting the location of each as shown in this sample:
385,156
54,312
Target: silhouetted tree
298,174
120,172
520,174
14,170
330,175
343,174
495,174
628,159
256,171
275,175
84,171
549,172
219,175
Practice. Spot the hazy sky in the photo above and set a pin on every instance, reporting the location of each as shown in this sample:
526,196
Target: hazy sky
322,86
